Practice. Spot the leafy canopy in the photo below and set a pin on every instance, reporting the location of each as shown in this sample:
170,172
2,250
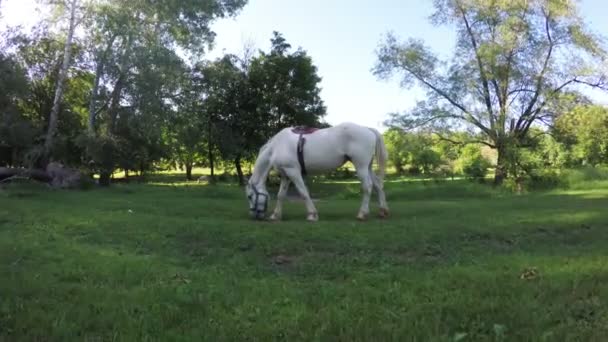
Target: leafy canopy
514,60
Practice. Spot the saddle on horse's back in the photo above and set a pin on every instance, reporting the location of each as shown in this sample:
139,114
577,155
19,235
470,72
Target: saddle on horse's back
303,130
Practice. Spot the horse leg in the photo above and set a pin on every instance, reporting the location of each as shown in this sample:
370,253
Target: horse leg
366,186
278,210
379,187
296,178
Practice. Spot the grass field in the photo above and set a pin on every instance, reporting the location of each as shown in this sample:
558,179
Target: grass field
166,261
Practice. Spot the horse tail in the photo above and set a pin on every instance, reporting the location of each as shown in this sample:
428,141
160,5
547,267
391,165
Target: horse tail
381,153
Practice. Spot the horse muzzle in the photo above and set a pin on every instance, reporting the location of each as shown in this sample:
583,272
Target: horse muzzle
257,215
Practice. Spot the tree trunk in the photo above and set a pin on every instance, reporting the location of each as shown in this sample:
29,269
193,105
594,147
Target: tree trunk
239,170
189,171
14,154
501,165
101,60
48,144
115,105
210,156
104,178
210,146
120,83
94,91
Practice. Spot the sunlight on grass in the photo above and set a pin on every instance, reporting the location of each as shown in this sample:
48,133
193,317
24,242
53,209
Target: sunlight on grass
172,259
178,184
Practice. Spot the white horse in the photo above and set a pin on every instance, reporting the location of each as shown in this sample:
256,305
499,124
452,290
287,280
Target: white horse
322,150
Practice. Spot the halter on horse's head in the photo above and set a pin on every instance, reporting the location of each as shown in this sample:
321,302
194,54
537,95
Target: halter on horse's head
258,201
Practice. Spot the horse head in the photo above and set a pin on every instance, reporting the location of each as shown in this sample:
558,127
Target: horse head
258,201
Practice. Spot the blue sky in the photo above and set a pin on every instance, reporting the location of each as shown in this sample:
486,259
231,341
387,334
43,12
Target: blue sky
341,36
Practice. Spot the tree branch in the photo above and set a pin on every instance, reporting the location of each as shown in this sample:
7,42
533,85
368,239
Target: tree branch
520,90
468,116
482,73
528,111
422,123
601,83
474,141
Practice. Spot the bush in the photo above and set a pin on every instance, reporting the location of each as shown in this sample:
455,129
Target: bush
472,163
341,173
585,177
544,180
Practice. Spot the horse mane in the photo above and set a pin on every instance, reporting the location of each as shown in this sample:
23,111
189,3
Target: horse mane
266,146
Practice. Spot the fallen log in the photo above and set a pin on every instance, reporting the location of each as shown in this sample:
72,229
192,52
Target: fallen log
55,175
18,173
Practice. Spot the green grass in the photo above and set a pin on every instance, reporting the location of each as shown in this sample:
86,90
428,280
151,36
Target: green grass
175,262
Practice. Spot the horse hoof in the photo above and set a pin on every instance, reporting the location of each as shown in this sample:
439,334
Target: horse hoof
312,217
275,217
362,217
384,213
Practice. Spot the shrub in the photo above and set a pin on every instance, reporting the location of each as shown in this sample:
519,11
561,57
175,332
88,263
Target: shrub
544,180
472,163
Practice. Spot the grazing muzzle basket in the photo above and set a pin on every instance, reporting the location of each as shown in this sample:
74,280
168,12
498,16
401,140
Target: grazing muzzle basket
257,209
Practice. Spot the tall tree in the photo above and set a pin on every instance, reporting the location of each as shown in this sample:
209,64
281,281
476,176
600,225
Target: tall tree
585,131
16,132
187,128
133,52
513,62
288,87
119,27
63,73
230,108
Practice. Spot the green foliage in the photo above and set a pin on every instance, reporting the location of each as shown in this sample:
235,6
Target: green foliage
397,148
414,150
587,177
248,99
553,153
472,163
16,132
341,173
287,87
546,179
585,131
101,152
516,64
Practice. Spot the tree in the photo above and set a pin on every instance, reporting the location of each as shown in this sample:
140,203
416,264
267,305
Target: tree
132,47
231,107
63,74
250,98
413,149
585,130
16,132
513,63
187,130
396,145
287,87
40,55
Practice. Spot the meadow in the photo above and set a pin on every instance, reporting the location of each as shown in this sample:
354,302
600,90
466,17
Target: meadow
172,261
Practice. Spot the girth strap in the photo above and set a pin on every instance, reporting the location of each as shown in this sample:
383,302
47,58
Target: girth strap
301,141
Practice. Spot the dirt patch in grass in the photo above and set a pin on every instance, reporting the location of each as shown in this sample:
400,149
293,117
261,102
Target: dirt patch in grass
496,242
427,254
